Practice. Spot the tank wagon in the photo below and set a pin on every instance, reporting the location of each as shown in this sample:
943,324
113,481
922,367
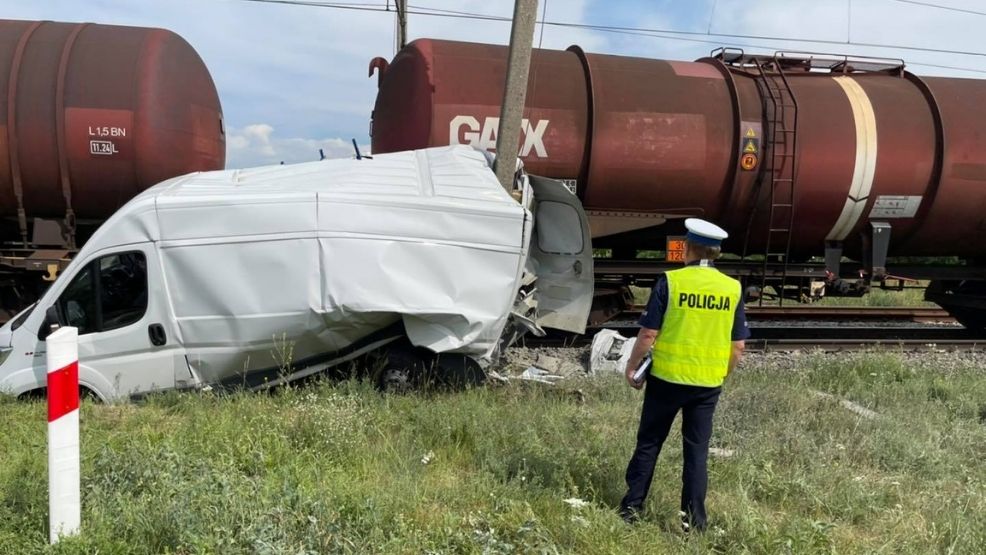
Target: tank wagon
801,157
90,115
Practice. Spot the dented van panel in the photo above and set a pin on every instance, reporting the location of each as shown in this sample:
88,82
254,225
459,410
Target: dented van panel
269,274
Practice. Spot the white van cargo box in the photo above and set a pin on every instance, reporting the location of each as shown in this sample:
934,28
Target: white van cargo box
274,273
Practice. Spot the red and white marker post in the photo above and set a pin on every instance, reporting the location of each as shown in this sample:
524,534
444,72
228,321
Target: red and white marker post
64,496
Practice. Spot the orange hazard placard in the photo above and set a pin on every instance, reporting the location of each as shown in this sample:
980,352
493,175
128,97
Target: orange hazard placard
748,161
675,251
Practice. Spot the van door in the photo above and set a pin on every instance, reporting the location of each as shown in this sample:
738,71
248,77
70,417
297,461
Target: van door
118,303
562,246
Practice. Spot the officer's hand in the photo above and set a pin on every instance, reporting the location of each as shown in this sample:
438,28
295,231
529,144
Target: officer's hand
629,372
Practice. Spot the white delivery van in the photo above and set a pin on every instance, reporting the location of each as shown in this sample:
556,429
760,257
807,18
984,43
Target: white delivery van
264,275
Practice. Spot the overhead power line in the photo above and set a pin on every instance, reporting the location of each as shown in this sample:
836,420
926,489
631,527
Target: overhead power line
947,67
487,17
940,7
772,47
356,6
671,34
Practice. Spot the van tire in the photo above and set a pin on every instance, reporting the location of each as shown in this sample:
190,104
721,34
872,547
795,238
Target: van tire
459,371
406,368
402,371
86,394
41,394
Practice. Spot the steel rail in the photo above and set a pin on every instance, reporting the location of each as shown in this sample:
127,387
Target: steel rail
827,337
837,345
831,313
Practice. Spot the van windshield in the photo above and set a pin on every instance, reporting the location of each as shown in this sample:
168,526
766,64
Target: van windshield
19,321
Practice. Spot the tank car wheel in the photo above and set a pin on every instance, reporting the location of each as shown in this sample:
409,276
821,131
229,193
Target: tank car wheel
972,320
965,301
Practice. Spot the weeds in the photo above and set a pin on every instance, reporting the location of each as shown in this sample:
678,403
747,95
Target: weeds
912,296
339,468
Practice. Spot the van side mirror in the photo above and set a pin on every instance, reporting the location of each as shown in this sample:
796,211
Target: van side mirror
51,322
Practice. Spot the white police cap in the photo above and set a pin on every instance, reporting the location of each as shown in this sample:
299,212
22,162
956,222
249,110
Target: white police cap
704,233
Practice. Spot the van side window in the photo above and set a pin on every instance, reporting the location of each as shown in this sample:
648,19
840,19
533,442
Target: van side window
122,289
108,293
559,228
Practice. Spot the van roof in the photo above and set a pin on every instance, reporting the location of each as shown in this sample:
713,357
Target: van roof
454,172
390,194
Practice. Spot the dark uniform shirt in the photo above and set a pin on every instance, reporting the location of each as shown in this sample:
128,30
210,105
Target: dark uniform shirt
653,316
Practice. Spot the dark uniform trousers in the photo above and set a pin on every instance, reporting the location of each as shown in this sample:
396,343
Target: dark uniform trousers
662,401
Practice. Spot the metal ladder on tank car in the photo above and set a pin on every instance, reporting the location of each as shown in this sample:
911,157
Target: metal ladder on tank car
780,109
782,126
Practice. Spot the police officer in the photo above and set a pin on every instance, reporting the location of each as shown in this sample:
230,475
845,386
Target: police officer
694,327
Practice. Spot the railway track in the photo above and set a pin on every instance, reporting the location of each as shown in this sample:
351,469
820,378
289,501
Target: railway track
782,338
842,338
833,313
821,328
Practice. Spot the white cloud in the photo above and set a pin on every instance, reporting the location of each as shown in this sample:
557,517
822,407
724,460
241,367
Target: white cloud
258,144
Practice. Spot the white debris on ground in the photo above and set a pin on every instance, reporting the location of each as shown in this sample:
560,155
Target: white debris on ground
528,356
575,502
721,452
849,405
534,374
557,364
547,365
609,352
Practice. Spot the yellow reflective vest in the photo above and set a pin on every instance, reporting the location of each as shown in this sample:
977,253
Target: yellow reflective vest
695,342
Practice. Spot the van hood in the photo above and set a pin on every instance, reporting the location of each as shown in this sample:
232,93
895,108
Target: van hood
7,330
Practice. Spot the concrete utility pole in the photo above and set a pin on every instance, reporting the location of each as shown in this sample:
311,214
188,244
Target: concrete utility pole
401,35
515,91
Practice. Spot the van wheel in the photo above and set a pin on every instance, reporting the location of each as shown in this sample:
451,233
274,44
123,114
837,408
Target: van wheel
402,372
86,394
41,394
405,369
460,371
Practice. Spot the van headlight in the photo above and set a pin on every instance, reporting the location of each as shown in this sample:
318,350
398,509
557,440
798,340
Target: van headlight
4,353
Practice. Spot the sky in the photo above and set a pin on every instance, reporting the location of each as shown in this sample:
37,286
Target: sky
293,79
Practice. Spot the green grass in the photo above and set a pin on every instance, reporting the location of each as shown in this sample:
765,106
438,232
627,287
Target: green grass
883,298
640,294
339,468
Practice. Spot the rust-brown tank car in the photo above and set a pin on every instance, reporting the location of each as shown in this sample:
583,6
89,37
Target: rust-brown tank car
90,115
790,154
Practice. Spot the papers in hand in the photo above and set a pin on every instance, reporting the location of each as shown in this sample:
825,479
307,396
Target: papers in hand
642,370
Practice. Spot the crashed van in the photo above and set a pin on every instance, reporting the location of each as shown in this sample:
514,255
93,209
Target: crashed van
259,276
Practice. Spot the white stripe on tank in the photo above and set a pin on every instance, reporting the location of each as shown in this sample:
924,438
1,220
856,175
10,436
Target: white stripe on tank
865,167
